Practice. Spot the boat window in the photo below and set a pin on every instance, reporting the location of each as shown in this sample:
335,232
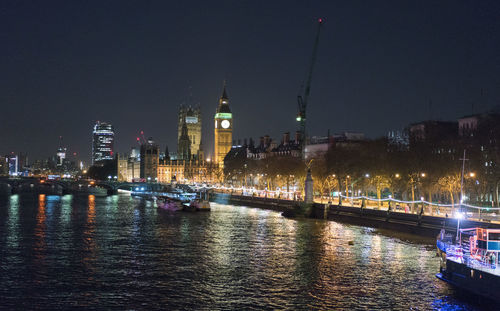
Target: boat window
481,234
493,236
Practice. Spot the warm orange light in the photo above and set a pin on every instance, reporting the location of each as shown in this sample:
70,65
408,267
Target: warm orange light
397,175
471,174
423,174
42,181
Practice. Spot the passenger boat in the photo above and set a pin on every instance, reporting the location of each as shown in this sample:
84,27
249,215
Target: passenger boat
168,204
147,195
197,205
202,204
175,199
470,261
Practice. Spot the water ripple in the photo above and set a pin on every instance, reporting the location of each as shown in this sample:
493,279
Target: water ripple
104,253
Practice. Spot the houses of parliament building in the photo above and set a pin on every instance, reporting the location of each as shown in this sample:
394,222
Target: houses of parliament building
190,164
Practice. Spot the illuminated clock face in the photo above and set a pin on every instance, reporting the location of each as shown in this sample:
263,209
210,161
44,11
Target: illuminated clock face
225,124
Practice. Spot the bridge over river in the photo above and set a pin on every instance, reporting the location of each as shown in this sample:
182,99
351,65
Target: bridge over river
68,186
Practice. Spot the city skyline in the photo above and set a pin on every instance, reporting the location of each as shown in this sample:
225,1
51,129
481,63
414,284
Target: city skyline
101,66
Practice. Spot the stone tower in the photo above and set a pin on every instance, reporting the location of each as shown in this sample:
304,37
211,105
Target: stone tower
223,129
184,146
191,117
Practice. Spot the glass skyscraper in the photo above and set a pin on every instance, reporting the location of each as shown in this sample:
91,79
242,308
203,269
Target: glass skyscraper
103,142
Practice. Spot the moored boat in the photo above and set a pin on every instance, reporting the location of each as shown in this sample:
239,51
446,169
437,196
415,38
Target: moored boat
470,261
197,205
168,204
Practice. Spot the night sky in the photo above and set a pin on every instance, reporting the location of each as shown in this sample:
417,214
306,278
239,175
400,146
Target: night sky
66,64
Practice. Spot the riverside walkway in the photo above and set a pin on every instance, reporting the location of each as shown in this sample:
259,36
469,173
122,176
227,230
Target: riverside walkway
420,208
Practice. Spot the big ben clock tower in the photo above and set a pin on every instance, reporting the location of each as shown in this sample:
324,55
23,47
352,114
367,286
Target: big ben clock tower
223,129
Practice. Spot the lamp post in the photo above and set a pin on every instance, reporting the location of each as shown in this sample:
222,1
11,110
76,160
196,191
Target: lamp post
347,187
352,186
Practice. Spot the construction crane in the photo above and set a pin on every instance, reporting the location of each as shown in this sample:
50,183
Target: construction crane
302,99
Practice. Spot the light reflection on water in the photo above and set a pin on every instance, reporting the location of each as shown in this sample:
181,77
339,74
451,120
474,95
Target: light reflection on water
105,252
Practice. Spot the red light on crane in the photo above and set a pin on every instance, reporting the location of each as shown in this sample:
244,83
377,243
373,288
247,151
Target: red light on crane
320,20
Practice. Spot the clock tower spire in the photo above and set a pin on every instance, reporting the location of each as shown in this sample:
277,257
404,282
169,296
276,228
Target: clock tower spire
223,128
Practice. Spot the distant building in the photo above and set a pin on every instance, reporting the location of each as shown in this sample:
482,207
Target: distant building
223,130
122,163
398,140
191,119
61,156
188,171
184,145
13,163
432,131
318,147
468,125
103,142
150,157
129,166
4,166
262,150
188,164
289,147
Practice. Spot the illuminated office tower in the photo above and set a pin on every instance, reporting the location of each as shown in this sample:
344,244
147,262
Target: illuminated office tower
103,142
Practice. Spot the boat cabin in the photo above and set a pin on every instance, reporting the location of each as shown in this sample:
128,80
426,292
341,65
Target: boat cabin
484,244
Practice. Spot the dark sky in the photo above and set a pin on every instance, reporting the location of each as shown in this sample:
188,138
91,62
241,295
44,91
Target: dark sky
66,64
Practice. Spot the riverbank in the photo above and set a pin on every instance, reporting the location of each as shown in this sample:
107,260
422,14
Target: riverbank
423,225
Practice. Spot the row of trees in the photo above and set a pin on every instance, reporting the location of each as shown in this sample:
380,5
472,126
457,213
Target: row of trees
375,168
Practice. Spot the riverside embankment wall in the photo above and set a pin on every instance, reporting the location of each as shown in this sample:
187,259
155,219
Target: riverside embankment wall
404,222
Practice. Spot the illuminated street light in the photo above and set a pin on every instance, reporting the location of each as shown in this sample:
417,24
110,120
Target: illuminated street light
472,174
423,174
397,175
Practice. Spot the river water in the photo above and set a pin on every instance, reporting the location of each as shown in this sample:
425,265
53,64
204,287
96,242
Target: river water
119,251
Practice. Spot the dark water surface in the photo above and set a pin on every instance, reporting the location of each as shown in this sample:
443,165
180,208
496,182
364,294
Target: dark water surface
118,251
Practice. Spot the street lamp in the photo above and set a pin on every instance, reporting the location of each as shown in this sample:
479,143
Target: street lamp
352,186
109,177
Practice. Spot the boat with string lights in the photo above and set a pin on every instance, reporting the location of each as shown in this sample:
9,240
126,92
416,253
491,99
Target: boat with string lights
469,260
